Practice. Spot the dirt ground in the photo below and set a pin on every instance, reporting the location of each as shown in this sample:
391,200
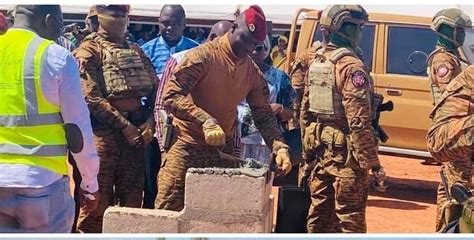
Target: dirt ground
409,204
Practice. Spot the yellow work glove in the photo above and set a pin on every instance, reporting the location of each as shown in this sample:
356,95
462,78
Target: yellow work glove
283,160
146,132
213,133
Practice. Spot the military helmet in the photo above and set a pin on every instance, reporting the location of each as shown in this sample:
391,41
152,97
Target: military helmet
452,17
466,221
334,16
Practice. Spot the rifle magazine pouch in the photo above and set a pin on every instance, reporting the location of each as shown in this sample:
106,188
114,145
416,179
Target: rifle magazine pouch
332,136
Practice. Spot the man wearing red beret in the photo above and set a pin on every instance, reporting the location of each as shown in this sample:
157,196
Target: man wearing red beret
216,76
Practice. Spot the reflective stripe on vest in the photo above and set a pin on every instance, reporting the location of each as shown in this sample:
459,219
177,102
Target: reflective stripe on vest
31,129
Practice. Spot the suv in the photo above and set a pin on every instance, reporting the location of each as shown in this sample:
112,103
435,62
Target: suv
395,49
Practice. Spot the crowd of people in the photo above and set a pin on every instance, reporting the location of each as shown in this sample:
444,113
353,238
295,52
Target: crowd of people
131,118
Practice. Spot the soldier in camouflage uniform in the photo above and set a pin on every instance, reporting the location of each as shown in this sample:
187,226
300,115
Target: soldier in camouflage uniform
203,93
444,64
116,76
450,140
336,115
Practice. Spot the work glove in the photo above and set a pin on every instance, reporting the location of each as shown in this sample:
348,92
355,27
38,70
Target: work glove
88,201
213,133
378,179
132,135
146,130
283,161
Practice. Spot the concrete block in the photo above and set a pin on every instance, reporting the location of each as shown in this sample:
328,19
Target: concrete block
239,194
136,220
213,227
216,201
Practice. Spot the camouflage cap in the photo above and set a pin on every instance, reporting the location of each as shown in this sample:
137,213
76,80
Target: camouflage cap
452,17
334,16
466,221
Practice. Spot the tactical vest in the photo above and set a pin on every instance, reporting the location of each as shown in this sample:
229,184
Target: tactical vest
436,91
125,74
324,100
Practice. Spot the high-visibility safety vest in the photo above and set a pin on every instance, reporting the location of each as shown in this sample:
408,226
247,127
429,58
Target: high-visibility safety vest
31,129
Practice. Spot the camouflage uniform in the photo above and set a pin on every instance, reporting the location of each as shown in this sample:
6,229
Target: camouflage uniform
210,66
336,115
111,73
443,66
450,140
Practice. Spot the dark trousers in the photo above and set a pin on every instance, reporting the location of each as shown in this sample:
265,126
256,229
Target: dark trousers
76,175
152,166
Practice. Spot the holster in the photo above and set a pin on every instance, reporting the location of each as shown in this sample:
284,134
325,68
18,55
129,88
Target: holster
168,133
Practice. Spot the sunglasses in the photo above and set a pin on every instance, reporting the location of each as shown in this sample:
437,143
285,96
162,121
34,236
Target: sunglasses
259,48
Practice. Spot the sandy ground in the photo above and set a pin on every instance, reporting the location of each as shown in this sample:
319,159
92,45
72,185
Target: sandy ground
409,204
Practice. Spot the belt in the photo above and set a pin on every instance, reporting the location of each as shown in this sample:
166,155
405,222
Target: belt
126,104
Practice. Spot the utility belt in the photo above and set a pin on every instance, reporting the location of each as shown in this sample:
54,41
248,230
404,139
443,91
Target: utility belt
319,136
136,118
327,134
126,104
132,109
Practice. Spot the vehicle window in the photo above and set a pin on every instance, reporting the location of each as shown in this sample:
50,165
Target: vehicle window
366,43
468,47
408,49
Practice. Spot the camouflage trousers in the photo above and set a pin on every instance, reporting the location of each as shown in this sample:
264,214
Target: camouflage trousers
121,177
456,171
338,196
178,159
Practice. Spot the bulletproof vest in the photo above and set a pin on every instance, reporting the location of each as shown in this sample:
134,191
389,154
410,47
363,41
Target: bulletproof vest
324,100
436,91
124,72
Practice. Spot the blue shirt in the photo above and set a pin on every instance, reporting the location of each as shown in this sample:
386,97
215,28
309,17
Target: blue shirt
158,51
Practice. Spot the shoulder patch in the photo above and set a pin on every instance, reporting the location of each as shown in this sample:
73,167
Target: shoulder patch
359,78
442,70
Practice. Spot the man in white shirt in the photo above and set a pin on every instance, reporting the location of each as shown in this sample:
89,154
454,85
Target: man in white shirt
43,115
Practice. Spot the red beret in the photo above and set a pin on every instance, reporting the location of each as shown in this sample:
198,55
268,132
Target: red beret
256,22
3,24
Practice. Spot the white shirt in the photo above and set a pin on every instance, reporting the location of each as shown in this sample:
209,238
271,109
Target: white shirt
60,85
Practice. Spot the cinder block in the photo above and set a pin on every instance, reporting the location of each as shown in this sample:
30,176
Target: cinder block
239,194
212,227
136,220
216,201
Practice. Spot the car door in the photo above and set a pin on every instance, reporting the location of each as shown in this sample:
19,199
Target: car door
404,81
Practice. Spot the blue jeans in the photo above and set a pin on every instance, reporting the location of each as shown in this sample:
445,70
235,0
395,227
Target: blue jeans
49,209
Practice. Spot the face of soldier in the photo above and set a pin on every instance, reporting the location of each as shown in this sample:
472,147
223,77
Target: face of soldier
172,24
53,25
241,39
114,23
